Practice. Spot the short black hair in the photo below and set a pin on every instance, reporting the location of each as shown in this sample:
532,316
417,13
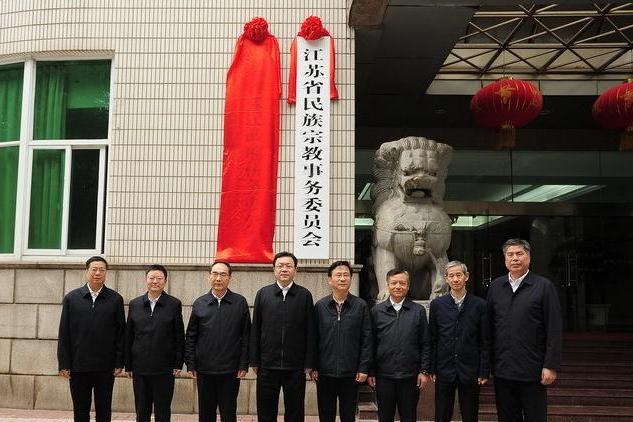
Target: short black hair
96,259
333,265
221,262
157,267
283,255
516,242
396,271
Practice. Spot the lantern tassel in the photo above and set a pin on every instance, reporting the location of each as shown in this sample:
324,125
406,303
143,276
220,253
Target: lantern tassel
506,138
626,139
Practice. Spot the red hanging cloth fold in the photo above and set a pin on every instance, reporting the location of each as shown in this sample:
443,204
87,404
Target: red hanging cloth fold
311,29
251,148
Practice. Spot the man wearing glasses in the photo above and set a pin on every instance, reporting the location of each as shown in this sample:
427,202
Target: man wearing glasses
216,345
283,344
90,346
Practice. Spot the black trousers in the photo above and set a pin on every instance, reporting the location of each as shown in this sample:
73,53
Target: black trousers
153,391
402,394
217,390
82,385
519,401
445,401
269,382
345,390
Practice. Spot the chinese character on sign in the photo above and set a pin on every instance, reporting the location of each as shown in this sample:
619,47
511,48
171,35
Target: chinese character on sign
312,153
312,220
313,119
312,136
311,239
313,204
312,187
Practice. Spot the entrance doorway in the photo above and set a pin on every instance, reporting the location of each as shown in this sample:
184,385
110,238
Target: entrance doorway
575,208
589,259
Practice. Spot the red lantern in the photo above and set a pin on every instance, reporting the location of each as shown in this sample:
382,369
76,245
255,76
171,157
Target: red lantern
505,105
614,110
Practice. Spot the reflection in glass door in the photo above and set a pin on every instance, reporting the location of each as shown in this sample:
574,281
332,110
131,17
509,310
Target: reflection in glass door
589,259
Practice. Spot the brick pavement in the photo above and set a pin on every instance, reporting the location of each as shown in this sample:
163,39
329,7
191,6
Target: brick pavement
21,415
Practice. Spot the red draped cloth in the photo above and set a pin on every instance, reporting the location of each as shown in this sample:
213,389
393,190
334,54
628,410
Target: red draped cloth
311,29
251,148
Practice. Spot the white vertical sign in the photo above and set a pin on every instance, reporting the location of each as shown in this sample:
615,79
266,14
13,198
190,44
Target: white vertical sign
312,150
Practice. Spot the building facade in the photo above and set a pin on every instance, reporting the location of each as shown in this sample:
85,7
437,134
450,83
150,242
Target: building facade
111,143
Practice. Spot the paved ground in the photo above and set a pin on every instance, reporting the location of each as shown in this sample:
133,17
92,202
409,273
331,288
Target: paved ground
19,415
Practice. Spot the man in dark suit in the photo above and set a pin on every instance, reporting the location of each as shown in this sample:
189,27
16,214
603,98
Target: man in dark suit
154,344
460,333
283,342
402,347
216,345
526,329
345,346
90,345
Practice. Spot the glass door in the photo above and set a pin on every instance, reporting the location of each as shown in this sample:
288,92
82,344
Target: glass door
589,260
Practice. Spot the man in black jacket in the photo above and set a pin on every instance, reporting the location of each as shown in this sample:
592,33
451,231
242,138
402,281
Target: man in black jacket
90,345
282,342
345,346
460,333
154,344
526,329
216,345
402,347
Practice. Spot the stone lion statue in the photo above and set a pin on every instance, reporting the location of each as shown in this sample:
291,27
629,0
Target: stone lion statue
411,229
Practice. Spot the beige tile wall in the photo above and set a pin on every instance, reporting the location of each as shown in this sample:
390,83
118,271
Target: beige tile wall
170,62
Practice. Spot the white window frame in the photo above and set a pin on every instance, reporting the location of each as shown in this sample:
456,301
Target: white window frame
27,145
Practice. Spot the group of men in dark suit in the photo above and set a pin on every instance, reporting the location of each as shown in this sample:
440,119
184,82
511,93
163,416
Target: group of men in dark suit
95,344
515,334
338,342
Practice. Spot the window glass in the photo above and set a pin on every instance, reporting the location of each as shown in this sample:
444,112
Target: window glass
11,77
72,100
10,101
47,194
8,189
84,189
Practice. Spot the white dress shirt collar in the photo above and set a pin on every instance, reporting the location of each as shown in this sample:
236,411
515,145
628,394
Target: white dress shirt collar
459,302
396,305
515,283
284,290
93,293
152,302
218,298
